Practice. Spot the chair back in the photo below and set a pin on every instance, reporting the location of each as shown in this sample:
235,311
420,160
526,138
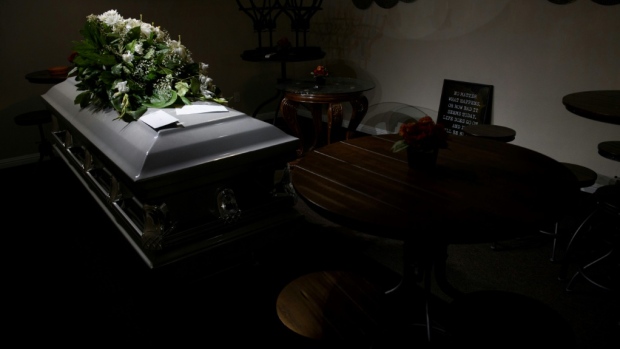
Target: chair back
386,117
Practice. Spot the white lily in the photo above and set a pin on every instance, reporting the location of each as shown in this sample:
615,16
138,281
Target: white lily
128,57
121,87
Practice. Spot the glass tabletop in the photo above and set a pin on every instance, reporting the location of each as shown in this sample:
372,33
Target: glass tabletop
333,85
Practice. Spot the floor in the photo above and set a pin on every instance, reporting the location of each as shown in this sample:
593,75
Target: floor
72,279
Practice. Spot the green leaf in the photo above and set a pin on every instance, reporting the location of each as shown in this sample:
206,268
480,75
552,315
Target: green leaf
134,33
399,146
136,114
158,103
83,99
220,100
195,86
165,71
117,69
185,100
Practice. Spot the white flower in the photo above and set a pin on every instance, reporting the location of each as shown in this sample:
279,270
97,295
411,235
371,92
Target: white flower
160,35
138,48
204,68
205,86
131,23
146,29
205,80
111,18
178,48
128,57
122,87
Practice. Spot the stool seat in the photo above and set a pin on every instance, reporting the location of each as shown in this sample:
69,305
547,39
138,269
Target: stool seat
332,307
496,132
610,150
585,176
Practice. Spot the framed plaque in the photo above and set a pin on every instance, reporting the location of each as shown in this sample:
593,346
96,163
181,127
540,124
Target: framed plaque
464,103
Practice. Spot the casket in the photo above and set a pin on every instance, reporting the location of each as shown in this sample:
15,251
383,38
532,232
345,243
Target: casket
186,189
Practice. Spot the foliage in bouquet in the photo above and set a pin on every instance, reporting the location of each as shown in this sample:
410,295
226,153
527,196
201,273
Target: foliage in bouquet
320,71
423,134
131,65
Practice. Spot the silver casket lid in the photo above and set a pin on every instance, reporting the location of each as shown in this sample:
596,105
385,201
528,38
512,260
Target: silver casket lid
206,147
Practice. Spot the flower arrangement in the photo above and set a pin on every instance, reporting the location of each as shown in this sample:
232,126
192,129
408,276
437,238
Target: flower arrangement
320,71
283,44
131,65
423,135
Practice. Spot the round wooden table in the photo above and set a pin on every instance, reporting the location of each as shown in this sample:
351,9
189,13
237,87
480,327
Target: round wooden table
45,77
602,105
480,191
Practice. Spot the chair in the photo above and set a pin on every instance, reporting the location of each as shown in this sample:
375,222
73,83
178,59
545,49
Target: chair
593,246
386,117
585,178
38,118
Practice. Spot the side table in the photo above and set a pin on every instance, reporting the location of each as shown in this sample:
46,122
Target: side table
283,56
333,93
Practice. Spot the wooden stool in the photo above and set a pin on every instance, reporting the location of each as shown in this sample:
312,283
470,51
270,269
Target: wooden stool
496,132
501,319
340,307
38,118
610,150
585,178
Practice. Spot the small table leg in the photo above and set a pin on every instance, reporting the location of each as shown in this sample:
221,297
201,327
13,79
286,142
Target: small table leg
289,114
334,118
360,108
317,121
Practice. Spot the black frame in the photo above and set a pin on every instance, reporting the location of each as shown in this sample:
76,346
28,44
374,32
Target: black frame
464,103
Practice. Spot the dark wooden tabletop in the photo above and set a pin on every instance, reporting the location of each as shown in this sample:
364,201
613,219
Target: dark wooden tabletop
602,105
481,190
45,77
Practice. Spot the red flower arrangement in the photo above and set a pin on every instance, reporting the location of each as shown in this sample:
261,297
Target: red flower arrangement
320,71
423,135
283,44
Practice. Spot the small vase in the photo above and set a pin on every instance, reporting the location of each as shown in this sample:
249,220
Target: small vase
320,80
422,159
